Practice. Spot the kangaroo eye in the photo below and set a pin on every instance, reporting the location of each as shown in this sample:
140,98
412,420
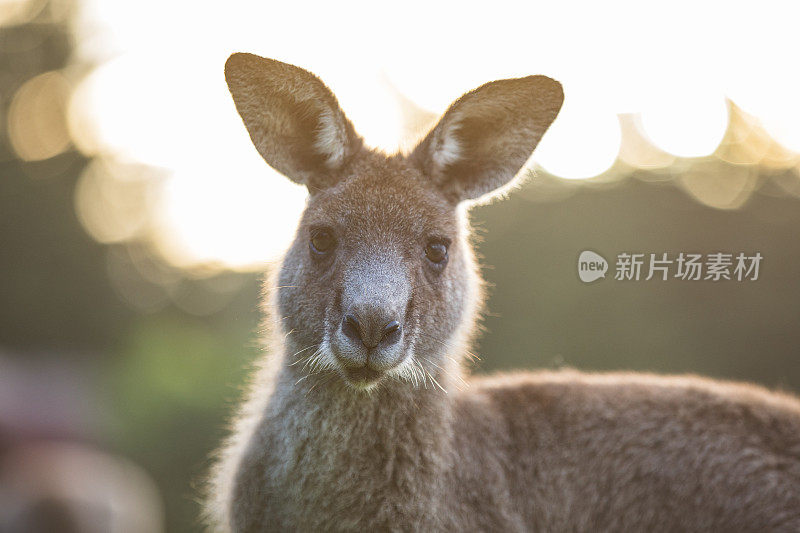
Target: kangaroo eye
322,241
436,252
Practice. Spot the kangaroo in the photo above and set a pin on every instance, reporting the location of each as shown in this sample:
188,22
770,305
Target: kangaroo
363,416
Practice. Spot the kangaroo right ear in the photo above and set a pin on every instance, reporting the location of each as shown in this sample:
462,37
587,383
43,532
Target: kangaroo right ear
293,119
484,139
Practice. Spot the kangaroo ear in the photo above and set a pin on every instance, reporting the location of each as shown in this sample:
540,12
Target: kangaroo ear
487,135
293,119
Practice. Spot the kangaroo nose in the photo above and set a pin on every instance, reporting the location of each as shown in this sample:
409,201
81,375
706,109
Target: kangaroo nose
371,329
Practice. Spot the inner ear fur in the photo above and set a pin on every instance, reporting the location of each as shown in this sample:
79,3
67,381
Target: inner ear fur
485,137
293,119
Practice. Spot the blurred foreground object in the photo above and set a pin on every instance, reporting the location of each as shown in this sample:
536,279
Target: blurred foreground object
68,487
50,480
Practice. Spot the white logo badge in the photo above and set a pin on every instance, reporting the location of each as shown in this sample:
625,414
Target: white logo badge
591,266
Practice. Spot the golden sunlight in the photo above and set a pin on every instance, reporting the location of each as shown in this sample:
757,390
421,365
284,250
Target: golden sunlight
36,126
162,103
582,143
686,121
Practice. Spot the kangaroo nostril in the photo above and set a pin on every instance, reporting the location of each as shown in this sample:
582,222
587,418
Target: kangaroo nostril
351,327
391,327
368,332
391,332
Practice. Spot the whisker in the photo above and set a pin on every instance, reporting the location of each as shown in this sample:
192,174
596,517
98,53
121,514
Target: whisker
310,361
301,351
324,380
447,372
436,382
276,287
448,344
422,373
419,375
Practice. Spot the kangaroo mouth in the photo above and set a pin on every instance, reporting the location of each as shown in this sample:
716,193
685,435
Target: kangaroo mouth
362,376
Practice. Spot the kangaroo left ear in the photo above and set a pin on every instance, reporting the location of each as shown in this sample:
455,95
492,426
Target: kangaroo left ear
293,119
487,135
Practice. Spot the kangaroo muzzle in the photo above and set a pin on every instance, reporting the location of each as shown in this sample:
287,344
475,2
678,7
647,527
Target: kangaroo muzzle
374,299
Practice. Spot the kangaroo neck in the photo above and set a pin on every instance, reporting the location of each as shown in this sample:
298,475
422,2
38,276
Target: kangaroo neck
329,443
326,403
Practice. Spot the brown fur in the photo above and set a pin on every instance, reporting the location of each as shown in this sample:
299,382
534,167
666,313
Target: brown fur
424,447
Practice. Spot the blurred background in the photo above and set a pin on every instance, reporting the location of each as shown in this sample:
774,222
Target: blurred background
136,217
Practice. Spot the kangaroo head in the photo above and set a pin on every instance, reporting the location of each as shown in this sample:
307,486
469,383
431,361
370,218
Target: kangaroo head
380,281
